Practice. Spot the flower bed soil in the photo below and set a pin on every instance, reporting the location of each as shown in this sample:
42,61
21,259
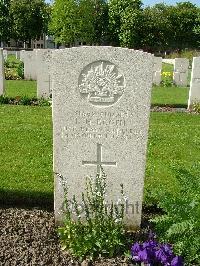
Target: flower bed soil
28,237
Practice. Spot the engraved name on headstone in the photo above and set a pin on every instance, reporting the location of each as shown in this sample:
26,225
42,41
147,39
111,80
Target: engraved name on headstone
101,104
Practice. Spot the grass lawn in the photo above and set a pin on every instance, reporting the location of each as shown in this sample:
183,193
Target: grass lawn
174,144
171,96
174,96
26,153
21,88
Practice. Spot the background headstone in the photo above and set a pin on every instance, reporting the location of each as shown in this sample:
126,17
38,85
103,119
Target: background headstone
180,76
29,59
194,94
101,103
2,74
157,68
169,61
5,55
22,55
43,64
18,55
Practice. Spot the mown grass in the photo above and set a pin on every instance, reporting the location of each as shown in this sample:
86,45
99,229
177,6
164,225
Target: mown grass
26,153
174,144
170,96
174,96
21,88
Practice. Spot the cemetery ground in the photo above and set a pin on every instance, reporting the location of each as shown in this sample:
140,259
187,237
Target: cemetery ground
26,178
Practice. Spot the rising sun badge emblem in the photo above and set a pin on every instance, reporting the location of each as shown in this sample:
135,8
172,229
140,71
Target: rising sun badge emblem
101,83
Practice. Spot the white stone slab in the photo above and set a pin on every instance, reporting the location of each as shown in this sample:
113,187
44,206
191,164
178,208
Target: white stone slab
169,61
43,64
22,55
180,75
101,104
29,59
157,69
2,74
5,55
194,94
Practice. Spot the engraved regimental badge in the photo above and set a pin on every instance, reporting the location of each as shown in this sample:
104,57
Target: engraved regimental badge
101,83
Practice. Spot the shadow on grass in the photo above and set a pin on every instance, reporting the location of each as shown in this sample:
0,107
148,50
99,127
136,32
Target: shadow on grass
26,199
170,105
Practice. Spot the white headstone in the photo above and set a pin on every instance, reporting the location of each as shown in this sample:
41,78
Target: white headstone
194,94
30,65
101,104
5,55
2,74
169,61
22,55
43,61
180,76
17,54
157,68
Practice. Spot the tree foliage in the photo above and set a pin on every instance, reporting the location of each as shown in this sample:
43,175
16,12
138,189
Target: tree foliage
124,17
29,19
5,21
85,20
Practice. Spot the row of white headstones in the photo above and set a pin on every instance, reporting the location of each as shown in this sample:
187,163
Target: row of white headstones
37,64
100,111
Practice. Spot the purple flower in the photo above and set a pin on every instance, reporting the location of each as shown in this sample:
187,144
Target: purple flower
135,248
161,256
150,244
143,255
177,261
167,249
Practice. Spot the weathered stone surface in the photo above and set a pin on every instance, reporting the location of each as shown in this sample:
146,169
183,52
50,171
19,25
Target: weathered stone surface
43,64
29,59
194,94
181,71
101,103
157,68
169,61
2,75
22,54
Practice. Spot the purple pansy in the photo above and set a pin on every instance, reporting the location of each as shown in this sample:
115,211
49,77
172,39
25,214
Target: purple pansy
155,253
177,261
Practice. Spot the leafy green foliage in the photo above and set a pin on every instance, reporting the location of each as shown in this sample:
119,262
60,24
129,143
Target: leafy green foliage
196,107
24,100
13,68
5,20
85,20
124,18
20,70
64,22
97,228
184,19
180,224
167,79
29,19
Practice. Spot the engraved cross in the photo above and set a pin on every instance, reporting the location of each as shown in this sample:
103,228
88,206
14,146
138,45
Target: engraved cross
99,162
